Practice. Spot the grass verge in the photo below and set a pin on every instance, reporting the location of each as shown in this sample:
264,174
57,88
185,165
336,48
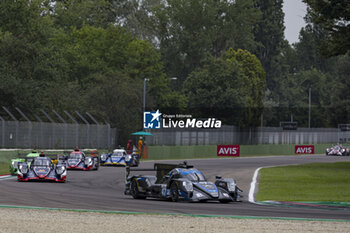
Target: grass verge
4,168
319,182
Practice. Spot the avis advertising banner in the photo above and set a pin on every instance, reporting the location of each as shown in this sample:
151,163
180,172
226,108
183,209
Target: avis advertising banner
228,150
304,149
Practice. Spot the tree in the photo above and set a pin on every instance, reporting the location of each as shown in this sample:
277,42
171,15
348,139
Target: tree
137,17
113,98
334,17
28,64
269,34
254,82
188,29
77,13
295,97
230,88
339,108
308,55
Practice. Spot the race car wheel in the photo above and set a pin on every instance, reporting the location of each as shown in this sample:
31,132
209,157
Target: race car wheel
174,192
96,165
134,191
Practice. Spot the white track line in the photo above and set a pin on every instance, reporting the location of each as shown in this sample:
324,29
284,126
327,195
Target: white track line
252,186
6,177
254,180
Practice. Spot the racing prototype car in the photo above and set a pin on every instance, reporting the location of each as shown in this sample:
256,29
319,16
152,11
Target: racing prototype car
338,150
78,160
180,182
119,157
14,162
41,169
27,157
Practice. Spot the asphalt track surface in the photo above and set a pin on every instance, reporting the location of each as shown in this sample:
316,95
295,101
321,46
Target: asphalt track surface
104,190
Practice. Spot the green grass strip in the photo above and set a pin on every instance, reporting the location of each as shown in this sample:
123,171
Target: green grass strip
317,182
328,203
311,205
173,214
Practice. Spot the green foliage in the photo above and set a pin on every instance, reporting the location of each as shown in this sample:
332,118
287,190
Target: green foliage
339,108
230,88
269,34
137,17
187,30
116,98
334,17
26,58
253,83
77,13
88,55
308,55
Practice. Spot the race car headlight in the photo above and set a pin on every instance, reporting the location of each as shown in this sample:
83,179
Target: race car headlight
187,186
103,157
60,170
23,169
88,160
231,186
342,150
128,158
199,195
225,194
14,164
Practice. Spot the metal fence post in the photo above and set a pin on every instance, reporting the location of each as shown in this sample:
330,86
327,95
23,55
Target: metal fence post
41,131
17,124
2,132
29,128
108,134
98,128
53,127
65,128
88,128
76,127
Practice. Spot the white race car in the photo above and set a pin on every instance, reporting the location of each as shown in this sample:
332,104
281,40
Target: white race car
338,150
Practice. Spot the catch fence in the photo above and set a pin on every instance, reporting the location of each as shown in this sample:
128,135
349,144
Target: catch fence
246,136
23,134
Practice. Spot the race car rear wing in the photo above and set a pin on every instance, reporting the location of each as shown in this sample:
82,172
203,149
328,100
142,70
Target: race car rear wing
51,156
91,152
161,169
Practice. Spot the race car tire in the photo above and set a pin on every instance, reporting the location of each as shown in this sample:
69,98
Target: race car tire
97,164
134,191
174,192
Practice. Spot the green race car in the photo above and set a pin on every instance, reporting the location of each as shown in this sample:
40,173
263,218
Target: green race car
14,162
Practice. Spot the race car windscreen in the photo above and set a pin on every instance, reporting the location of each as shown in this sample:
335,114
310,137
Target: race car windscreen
118,153
193,176
42,162
75,156
336,148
